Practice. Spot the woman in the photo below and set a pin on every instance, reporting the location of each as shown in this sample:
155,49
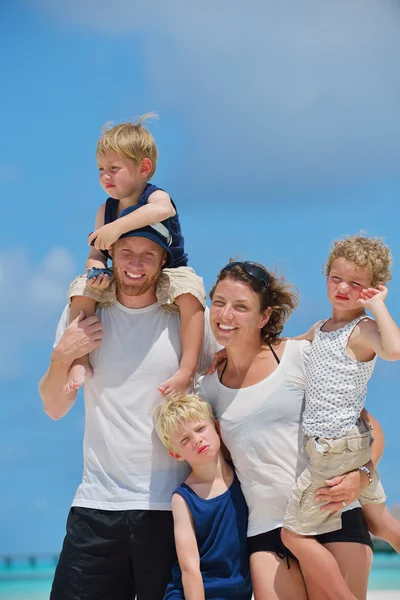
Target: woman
257,394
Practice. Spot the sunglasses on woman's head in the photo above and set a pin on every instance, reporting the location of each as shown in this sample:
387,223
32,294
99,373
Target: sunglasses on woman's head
258,273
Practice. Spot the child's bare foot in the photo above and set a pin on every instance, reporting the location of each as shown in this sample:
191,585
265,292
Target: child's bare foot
77,376
181,381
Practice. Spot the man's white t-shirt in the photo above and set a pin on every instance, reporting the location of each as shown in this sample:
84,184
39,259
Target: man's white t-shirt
261,427
125,464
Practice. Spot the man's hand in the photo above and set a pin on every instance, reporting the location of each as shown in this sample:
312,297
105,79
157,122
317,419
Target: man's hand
104,237
345,488
81,337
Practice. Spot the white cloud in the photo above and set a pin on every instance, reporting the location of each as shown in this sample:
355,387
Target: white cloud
282,92
31,298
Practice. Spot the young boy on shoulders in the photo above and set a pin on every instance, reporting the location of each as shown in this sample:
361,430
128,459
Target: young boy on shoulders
127,158
209,510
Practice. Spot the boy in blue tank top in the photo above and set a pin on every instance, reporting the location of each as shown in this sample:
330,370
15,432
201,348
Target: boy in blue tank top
127,158
209,510
337,438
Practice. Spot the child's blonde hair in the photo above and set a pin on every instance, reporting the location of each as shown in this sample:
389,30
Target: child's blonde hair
175,410
369,253
133,140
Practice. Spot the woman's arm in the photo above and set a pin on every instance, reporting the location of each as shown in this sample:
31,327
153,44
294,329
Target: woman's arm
379,439
187,550
347,488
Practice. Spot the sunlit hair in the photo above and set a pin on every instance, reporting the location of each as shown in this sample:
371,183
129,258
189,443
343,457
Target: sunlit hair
132,140
366,253
278,294
175,410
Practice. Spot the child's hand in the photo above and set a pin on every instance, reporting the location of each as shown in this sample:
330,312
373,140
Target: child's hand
373,296
104,238
101,282
219,357
99,278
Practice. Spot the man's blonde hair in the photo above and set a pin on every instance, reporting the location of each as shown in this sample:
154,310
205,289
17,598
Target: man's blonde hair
175,410
133,140
369,253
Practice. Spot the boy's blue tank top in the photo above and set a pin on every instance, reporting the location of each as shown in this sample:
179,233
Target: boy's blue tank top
172,224
221,531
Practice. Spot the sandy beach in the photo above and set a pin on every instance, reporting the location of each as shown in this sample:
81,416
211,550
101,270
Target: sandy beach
384,595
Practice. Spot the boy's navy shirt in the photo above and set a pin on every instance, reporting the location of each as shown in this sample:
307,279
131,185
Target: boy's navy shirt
220,525
180,258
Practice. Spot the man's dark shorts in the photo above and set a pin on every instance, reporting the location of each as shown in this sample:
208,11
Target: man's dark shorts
115,555
354,529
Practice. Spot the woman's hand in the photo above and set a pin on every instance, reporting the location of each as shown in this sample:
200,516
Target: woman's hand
342,491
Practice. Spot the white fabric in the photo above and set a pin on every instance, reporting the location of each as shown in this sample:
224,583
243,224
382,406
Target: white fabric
125,464
261,427
336,384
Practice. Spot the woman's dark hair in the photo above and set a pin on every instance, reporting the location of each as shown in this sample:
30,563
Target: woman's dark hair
272,290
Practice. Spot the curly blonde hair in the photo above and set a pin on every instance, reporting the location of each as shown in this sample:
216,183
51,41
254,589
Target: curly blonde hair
175,410
366,253
281,296
132,139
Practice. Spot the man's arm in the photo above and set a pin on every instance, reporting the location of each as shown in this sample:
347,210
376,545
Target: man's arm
80,337
187,550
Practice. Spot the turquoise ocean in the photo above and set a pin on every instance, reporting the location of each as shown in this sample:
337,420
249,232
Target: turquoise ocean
21,581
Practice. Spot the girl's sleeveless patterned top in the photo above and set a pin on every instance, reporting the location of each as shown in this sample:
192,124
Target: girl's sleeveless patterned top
336,384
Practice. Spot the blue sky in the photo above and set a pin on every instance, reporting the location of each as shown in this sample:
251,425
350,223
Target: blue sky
279,130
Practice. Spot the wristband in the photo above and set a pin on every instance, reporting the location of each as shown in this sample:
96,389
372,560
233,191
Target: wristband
368,473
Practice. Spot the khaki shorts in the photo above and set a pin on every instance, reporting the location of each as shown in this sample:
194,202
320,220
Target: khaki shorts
171,284
330,458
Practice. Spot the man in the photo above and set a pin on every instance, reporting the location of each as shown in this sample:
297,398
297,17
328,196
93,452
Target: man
119,543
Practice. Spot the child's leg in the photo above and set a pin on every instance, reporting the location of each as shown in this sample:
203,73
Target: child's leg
317,563
83,294
328,458
192,330
183,288
81,368
383,524
354,560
